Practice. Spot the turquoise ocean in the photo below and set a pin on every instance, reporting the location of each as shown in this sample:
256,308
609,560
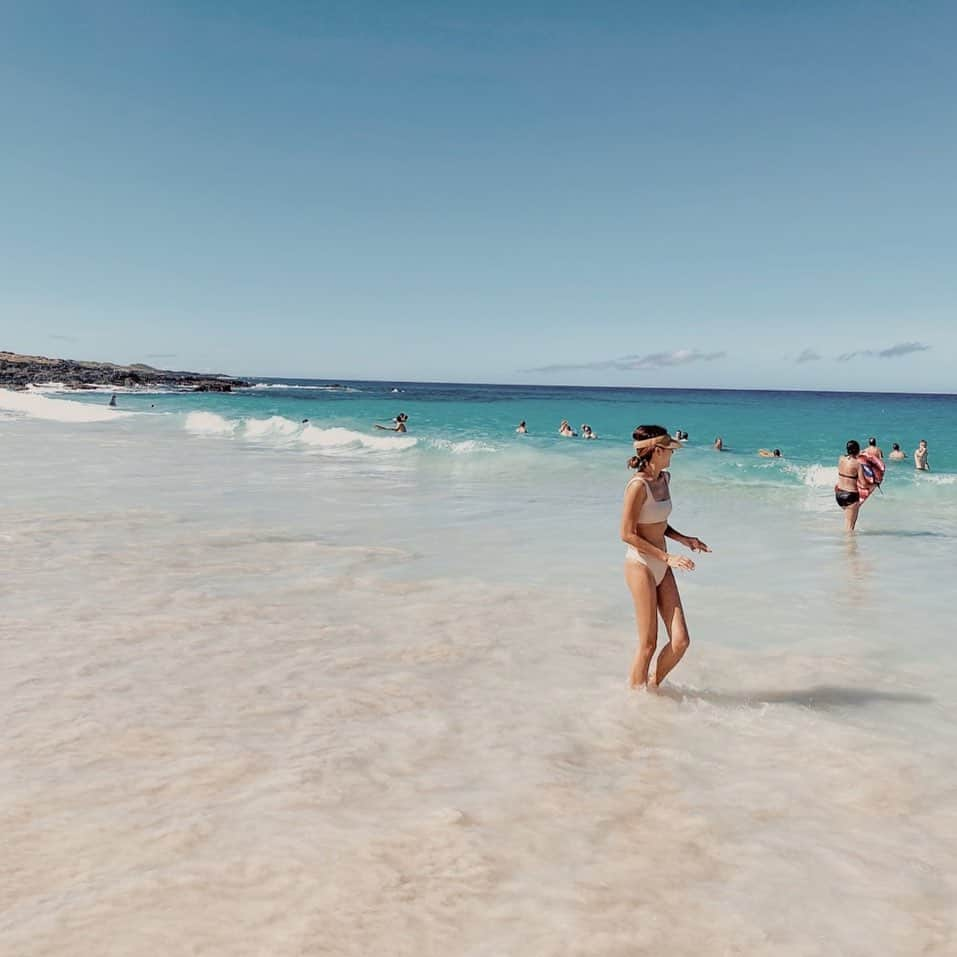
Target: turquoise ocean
285,686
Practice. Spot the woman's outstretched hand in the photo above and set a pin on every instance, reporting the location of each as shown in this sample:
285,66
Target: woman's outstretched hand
679,561
696,545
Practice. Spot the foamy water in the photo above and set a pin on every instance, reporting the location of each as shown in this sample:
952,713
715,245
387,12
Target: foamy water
267,694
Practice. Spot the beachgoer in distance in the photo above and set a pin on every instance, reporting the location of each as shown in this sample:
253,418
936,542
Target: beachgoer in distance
113,401
522,430
769,453
920,457
399,426
648,563
587,432
845,492
896,454
872,448
718,444
566,430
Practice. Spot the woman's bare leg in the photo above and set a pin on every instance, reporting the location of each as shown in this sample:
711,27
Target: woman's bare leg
641,583
850,516
673,615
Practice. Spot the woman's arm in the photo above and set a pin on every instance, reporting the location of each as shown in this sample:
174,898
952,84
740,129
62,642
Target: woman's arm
689,541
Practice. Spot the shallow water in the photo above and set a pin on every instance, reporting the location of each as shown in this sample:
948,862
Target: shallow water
263,695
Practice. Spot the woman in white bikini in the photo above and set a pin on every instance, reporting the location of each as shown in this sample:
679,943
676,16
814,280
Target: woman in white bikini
648,564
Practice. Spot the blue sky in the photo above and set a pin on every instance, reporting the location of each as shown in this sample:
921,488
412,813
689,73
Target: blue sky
672,194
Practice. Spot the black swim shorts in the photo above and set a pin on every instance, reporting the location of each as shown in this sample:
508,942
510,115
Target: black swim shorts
846,498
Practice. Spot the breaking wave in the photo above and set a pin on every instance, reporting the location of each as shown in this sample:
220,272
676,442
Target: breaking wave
209,423
340,438
38,406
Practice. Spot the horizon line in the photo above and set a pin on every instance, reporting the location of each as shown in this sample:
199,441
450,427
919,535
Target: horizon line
565,385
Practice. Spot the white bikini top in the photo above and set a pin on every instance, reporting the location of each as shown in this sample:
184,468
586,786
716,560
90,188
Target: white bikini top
653,511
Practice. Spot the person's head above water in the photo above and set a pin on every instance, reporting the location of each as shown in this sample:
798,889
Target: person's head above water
777,453
651,442
853,447
872,442
896,447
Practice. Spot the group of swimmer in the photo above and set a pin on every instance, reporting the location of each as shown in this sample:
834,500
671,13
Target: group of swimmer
856,471
718,446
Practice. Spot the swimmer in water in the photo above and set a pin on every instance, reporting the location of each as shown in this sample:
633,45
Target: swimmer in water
399,426
920,457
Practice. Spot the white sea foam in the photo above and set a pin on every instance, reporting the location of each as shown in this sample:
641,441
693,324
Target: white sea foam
936,479
107,387
209,423
465,447
38,406
814,476
275,425
339,438
308,388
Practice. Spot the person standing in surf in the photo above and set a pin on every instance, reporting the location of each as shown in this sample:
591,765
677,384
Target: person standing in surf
845,492
920,457
648,564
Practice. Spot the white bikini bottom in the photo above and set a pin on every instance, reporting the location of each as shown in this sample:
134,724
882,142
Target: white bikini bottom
657,566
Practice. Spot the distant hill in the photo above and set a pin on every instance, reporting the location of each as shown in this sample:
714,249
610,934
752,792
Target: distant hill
18,371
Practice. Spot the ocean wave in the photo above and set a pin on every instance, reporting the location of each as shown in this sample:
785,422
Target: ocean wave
340,438
815,475
465,447
108,388
273,426
308,388
37,406
935,479
209,423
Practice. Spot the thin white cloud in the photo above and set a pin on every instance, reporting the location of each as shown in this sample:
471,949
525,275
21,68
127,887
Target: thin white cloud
63,338
652,360
892,352
808,355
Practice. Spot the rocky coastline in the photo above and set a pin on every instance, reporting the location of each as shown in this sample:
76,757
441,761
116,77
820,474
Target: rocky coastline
20,371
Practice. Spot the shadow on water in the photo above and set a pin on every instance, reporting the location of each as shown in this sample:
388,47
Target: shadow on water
819,697
901,533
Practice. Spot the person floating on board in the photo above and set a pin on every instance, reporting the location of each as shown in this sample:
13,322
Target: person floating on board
399,426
